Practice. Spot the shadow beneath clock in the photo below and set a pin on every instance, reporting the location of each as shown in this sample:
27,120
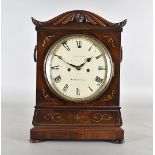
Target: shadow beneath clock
76,141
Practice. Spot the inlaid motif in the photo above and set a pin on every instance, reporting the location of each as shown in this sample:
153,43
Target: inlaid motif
46,95
47,39
56,117
110,96
109,40
99,117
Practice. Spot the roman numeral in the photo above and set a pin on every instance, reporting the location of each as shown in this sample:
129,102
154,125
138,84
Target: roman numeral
101,68
79,44
66,46
98,79
77,92
57,79
55,67
98,56
90,89
65,88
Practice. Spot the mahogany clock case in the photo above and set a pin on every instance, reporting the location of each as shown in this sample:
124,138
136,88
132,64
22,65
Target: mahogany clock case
55,118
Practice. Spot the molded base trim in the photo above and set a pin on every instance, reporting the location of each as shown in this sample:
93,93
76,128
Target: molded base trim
42,133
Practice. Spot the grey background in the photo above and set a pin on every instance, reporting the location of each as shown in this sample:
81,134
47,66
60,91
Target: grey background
18,74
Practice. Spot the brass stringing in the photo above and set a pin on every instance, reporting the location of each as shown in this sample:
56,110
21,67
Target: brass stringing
110,40
46,95
47,39
56,117
109,97
98,117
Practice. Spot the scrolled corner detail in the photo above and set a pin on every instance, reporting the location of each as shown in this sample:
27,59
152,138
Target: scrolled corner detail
109,96
109,40
46,40
46,95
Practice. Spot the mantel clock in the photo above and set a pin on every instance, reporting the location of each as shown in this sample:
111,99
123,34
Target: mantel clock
78,56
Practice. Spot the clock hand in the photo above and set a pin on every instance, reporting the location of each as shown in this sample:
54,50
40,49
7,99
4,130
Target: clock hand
87,60
60,57
72,65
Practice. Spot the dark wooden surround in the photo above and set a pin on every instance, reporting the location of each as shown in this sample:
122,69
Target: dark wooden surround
55,118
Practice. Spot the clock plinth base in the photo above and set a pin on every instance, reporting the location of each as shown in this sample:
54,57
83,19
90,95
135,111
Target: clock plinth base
42,133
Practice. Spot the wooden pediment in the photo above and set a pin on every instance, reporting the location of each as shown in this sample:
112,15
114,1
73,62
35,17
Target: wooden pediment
78,16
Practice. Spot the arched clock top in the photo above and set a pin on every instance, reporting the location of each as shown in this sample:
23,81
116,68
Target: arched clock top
78,16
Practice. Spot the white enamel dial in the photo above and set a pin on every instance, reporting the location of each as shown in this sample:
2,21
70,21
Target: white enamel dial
78,68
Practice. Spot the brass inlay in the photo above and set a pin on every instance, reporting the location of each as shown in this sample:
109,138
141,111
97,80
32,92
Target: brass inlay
99,117
77,117
56,117
109,97
110,40
46,95
47,39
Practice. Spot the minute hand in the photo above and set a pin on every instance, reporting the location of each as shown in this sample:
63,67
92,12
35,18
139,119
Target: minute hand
60,57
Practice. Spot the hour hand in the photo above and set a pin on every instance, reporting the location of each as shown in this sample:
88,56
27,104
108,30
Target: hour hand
87,60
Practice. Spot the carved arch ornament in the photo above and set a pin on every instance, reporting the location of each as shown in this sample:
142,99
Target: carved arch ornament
79,16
